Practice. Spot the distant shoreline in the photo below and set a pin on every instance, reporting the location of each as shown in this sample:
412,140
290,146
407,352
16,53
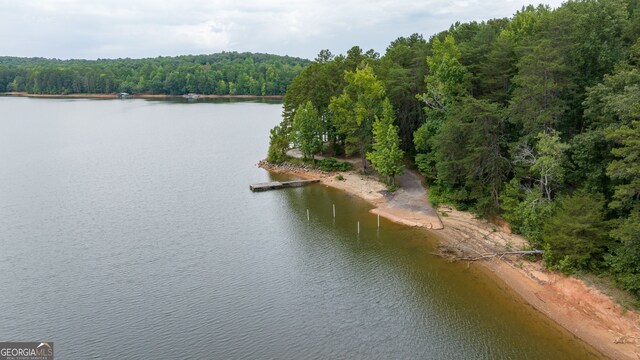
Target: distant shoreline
136,96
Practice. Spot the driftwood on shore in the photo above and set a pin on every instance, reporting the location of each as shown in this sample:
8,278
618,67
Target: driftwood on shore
459,255
501,254
627,339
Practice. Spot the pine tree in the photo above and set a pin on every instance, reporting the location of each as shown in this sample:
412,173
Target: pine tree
386,156
576,238
307,128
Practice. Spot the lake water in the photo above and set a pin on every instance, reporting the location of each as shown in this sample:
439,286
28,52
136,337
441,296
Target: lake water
128,231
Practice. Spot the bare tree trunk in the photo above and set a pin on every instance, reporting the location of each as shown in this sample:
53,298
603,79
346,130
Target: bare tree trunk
364,159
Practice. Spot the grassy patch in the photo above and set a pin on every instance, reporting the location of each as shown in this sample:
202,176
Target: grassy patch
331,165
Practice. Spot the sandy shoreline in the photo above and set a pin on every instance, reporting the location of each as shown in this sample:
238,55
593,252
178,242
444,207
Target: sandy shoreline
137,96
581,309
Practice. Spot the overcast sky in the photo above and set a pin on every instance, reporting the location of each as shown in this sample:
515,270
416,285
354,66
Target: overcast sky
93,29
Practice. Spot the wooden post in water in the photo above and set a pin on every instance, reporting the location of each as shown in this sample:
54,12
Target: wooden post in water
358,227
378,221
334,211
307,214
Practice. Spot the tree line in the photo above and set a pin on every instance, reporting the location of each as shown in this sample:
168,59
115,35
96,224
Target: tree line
227,73
534,118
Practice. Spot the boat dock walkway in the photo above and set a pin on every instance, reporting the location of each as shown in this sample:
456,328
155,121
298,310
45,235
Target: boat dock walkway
280,185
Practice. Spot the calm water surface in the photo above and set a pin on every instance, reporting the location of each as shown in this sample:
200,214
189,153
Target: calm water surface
127,230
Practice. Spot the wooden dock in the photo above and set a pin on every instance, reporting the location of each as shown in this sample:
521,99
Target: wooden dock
280,185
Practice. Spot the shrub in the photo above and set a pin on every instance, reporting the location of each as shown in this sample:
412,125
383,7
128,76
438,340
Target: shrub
331,164
575,237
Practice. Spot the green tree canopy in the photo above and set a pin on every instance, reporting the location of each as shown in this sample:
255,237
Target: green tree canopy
386,155
471,154
624,259
307,130
549,163
576,237
626,169
446,81
227,73
355,110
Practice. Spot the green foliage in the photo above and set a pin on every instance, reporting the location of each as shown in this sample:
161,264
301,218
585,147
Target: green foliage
317,83
575,237
543,76
549,163
386,156
526,210
355,110
496,73
402,70
616,100
624,259
278,145
331,165
440,194
627,168
227,73
589,156
425,158
599,43
447,77
470,154
446,80
525,23
307,130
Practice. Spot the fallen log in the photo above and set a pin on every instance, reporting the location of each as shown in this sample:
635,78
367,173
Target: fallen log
498,254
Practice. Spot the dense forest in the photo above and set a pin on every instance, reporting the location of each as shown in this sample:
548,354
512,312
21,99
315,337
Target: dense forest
227,73
535,118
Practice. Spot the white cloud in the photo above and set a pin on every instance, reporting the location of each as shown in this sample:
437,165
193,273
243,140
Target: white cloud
140,28
207,35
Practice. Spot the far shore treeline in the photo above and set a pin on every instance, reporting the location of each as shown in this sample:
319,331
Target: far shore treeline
227,73
535,118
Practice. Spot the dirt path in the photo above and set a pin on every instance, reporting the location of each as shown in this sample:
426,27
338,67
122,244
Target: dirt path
410,204
581,309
